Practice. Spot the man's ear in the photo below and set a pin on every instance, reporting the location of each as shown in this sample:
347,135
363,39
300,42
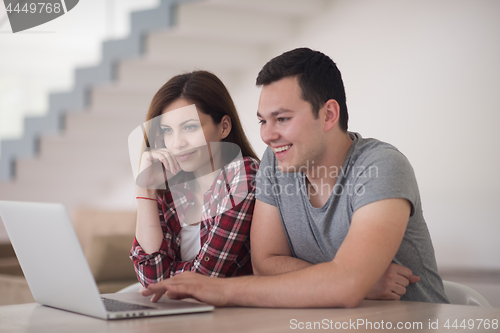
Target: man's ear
226,126
331,113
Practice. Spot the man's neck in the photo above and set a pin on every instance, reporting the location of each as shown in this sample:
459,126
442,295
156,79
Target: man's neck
322,177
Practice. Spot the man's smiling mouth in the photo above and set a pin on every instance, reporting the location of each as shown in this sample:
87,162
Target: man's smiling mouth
281,149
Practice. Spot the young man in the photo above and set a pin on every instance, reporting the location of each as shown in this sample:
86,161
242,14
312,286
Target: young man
333,210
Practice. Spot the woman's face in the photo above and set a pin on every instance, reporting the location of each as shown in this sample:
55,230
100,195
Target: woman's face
186,131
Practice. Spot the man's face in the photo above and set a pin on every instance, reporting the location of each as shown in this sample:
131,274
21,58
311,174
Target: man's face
288,125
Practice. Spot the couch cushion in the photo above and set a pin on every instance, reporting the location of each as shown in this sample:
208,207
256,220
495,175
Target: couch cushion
109,258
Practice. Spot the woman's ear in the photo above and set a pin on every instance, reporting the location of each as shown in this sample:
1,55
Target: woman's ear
225,125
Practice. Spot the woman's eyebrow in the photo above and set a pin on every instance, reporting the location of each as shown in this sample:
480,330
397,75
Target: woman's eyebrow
186,121
189,121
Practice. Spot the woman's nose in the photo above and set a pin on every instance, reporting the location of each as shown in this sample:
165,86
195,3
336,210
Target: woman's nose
178,142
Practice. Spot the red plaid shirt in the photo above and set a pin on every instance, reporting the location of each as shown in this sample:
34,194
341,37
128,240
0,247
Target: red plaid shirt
224,229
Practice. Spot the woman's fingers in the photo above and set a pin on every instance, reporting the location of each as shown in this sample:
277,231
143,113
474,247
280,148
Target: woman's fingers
167,159
170,162
152,174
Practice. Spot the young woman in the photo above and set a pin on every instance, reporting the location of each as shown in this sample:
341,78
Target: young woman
195,189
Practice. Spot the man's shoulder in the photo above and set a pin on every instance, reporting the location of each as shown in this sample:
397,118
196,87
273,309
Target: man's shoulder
374,150
368,145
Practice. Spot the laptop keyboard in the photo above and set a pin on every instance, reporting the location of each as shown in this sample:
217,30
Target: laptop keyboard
115,306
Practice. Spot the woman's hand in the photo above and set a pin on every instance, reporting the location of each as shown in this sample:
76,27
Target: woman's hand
157,166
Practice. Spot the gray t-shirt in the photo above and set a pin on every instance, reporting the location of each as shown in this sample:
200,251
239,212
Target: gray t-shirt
372,171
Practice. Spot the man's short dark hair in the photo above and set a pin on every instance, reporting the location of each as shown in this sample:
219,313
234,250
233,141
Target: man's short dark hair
318,76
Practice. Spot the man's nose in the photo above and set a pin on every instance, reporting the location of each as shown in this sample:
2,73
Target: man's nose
269,133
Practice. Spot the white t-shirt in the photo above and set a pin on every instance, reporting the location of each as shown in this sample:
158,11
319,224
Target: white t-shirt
190,242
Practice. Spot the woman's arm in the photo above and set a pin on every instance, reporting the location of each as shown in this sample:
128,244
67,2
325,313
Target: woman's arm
157,166
153,267
148,231
152,251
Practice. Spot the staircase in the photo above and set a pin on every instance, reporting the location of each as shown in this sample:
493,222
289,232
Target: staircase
78,153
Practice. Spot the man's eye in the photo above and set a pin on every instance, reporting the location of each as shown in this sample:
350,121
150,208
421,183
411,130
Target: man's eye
282,119
262,121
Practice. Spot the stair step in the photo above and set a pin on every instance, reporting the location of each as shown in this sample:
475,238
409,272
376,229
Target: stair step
56,149
96,126
184,50
126,97
155,72
276,7
72,180
216,21
74,192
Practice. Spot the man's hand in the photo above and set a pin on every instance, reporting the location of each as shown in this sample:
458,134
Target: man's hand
392,285
190,285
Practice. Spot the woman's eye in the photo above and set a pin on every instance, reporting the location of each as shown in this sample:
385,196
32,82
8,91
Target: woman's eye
166,131
190,128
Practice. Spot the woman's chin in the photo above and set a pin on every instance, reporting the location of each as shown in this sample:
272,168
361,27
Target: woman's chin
192,167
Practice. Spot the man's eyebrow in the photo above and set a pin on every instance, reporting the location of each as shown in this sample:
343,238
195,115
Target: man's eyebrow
275,113
164,125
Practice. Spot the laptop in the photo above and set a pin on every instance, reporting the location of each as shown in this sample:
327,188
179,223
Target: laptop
58,274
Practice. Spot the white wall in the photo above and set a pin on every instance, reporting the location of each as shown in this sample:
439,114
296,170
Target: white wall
425,76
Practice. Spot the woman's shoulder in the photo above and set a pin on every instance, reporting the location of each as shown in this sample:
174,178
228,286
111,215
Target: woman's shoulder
248,164
238,176
239,173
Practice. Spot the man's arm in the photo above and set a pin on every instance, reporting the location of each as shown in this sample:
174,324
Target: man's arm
372,241
271,252
271,255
